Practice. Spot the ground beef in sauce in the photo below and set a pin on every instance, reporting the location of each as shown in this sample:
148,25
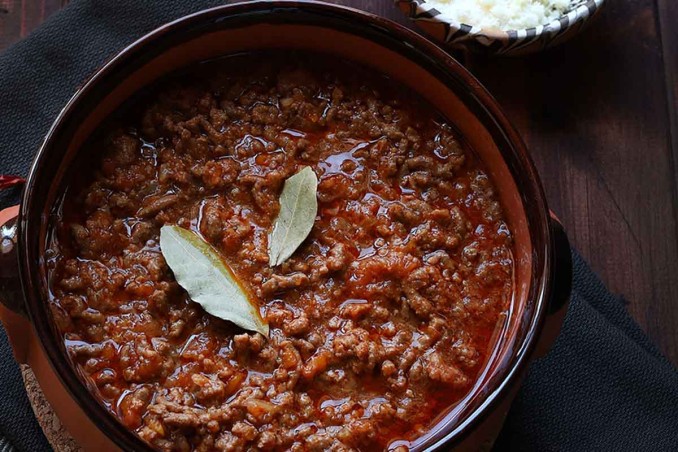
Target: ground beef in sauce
381,320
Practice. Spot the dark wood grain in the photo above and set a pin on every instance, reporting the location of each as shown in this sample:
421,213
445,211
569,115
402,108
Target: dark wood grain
595,114
599,115
20,17
668,18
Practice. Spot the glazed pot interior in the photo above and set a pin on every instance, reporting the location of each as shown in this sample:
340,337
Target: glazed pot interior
344,34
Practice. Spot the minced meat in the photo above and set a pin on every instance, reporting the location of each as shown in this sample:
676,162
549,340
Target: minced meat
380,321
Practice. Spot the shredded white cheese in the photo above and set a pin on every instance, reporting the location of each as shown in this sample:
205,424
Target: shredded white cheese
503,14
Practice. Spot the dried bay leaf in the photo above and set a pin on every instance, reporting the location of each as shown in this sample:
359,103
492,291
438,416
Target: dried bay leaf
209,281
298,209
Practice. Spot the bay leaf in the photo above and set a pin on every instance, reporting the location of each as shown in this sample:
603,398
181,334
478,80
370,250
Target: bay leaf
298,208
209,281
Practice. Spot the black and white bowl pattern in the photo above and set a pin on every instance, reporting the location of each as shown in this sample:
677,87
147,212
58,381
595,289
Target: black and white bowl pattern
461,36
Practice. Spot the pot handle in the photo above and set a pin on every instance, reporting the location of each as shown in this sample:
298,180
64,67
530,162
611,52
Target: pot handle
561,286
561,272
10,288
12,309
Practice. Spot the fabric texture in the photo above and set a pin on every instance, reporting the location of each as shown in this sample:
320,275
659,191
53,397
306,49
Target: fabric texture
604,386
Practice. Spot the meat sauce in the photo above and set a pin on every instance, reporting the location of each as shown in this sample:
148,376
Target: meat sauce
380,322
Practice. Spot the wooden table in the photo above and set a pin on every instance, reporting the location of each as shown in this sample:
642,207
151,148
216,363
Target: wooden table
600,117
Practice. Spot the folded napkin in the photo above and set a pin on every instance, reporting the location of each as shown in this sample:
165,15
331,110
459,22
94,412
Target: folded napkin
604,386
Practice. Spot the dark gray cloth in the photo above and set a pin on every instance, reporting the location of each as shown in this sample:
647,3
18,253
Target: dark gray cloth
604,386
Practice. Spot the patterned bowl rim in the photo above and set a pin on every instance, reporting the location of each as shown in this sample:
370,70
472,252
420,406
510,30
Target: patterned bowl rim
583,10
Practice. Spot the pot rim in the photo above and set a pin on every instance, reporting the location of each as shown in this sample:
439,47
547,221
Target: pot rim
31,276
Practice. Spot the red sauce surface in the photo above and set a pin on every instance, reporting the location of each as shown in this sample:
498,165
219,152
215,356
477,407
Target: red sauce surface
380,321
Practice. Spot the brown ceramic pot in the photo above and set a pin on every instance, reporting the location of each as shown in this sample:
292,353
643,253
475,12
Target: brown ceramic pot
542,255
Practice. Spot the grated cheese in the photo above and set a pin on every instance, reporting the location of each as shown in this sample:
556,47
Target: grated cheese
503,14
